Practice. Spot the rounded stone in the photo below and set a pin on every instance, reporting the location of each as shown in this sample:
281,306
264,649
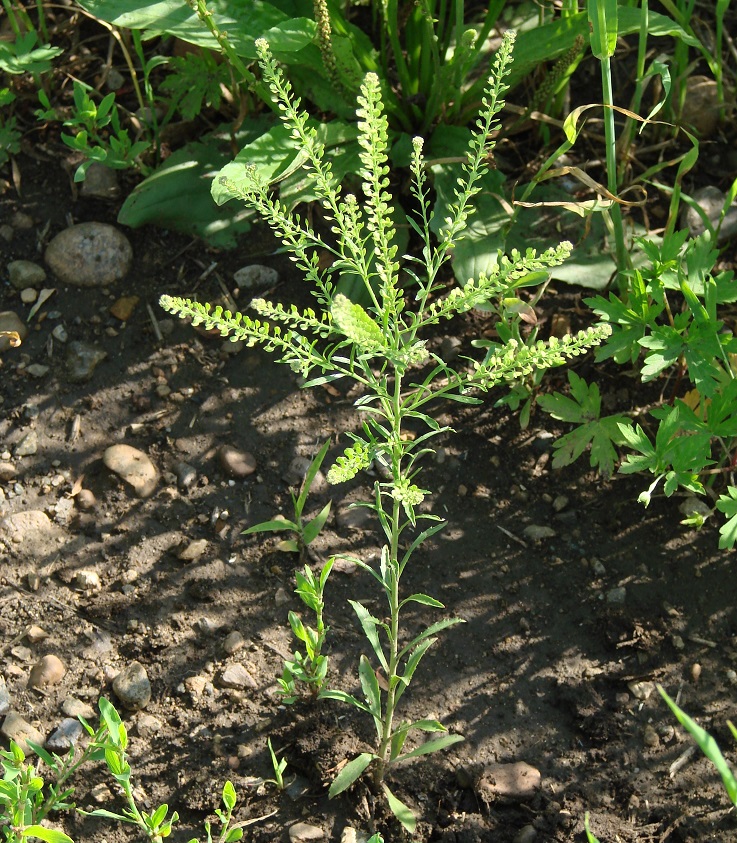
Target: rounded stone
132,687
132,466
238,464
90,254
49,670
23,274
11,323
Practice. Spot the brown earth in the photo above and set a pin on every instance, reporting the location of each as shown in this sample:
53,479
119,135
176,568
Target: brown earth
541,671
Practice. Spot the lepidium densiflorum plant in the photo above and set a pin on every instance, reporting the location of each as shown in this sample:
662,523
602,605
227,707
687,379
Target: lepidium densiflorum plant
383,349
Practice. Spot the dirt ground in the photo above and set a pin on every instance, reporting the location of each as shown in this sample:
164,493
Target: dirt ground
552,666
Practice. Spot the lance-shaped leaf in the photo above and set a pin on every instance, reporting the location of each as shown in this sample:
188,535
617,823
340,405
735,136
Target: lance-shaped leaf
349,773
400,810
370,626
433,745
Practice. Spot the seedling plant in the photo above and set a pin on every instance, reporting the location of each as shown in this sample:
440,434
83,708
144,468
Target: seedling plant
383,349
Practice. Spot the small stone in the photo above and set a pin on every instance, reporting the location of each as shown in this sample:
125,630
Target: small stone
124,307
233,642
132,687
24,274
16,728
133,467
90,254
85,500
730,675
353,517
27,446
616,596
82,359
527,834
281,598
512,782
302,832
195,684
256,277
4,697
148,725
236,676
711,201
650,737
65,736
60,333
101,794
73,707
597,566
701,106
450,348
186,474
538,532
101,182
560,502
193,550
11,323
694,506
36,634
7,471
37,370
49,670
28,296
87,580
678,642
23,654
295,475
238,464
641,690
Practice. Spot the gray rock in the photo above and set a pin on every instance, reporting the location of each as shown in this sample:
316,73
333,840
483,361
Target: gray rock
255,277
186,474
23,274
233,642
87,580
65,736
538,532
295,475
16,728
513,782
28,295
11,323
73,707
4,697
132,687
91,254
49,670
236,676
37,370
27,446
711,201
302,832
147,725
192,550
82,360
354,517
238,464
100,182
133,467
526,834
616,596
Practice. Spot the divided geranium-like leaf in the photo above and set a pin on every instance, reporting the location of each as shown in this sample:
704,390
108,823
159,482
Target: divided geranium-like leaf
727,504
350,773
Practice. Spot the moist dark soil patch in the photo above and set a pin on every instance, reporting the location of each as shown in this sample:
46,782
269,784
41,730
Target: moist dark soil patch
541,671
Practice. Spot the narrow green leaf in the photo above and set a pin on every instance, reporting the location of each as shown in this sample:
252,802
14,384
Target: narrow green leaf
370,626
370,687
341,696
275,526
50,835
349,773
400,810
423,599
433,745
603,23
312,529
310,477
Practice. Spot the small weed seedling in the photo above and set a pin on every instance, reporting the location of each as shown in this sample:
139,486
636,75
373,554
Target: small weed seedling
383,349
305,532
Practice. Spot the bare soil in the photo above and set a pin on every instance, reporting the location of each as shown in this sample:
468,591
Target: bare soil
540,672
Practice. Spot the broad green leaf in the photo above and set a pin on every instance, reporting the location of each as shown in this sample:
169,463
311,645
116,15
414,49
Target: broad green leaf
349,773
400,810
434,745
708,746
603,22
50,835
229,795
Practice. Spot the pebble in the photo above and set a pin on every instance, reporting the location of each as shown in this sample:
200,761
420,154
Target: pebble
82,360
193,550
650,737
23,274
538,532
28,296
7,471
85,500
295,475
133,467
641,690
527,834
74,707
711,201
450,348
513,782
186,474
4,697
694,506
233,642
236,676
36,634
700,112
101,794
616,596
560,502
23,654
10,322
87,580
132,687
597,566
100,182
27,446
90,254
60,333
124,307
65,736
238,464
255,277
148,725
353,517
281,598
302,832
37,370
16,728
49,670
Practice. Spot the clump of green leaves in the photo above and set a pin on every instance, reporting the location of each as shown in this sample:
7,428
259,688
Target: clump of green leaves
383,349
